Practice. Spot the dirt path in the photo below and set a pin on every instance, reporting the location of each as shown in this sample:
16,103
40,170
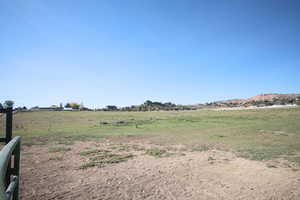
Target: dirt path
184,175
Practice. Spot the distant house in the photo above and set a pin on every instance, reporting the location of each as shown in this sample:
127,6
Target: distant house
68,109
51,108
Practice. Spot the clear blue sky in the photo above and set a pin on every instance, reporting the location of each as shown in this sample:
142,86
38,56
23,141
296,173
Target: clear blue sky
124,52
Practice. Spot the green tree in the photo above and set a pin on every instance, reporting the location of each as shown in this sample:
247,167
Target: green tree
72,105
8,104
111,108
75,106
67,105
81,106
148,103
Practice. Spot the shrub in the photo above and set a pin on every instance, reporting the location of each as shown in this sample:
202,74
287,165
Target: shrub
8,104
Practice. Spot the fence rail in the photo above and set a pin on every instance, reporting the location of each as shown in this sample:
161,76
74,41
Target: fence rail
9,160
9,170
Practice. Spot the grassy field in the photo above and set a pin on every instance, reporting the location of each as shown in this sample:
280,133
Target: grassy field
258,134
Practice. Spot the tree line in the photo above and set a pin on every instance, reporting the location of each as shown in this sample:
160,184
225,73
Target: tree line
149,106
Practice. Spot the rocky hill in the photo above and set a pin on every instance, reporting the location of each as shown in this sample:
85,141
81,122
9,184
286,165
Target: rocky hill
260,100
271,97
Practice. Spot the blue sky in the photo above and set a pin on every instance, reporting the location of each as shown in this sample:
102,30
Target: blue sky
125,52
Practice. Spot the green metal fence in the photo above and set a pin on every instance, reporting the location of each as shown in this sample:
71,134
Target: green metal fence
9,161
9,170
8,125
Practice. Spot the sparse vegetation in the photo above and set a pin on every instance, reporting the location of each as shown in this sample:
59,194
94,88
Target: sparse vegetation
257,134
99,157
211,158
155,152
59,149
271,166
109,158
200,148
268,135
93,152
56,158
87,165
66,142
121,147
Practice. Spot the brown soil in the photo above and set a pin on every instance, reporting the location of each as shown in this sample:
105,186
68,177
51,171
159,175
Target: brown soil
181,174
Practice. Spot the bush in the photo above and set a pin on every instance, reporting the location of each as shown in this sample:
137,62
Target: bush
72,105
8,104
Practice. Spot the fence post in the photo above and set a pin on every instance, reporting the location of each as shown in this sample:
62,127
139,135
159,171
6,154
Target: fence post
17,169
8,137
9,118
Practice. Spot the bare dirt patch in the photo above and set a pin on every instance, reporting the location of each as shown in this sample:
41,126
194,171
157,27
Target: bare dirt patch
181,174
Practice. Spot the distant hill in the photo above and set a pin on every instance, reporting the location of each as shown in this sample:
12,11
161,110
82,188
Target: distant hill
259,100
271,97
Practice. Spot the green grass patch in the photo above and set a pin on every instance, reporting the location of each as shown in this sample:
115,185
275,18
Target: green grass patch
294,159
93,152
109,158
137,147
156,152
200,148
59,149
66,142
271,166
56,158
87,165
99,157
121,147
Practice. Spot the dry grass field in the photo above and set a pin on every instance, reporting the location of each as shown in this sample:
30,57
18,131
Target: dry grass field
205,154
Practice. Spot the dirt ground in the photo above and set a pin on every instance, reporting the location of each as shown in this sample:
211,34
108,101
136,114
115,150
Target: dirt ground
179,174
